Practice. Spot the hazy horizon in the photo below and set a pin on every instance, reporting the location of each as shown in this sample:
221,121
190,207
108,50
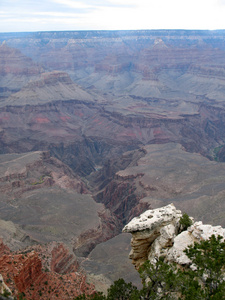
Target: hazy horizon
91,15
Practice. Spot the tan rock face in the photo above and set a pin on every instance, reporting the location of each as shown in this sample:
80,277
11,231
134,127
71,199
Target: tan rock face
151,232
158,233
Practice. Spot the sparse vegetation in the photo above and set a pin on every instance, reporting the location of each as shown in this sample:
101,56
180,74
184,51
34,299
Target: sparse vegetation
6,293
40,181
185,222
122,290
216,151
22,296
163,280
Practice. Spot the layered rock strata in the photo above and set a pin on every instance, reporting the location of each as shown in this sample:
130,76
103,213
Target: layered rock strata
158,233
48,272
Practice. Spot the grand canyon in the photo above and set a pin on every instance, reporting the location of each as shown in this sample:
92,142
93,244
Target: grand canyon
96,127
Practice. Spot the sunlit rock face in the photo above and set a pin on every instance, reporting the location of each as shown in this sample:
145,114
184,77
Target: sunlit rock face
158,233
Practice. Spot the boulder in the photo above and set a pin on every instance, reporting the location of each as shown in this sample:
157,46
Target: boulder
158,233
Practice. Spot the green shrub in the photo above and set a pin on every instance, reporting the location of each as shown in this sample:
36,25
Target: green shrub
185,222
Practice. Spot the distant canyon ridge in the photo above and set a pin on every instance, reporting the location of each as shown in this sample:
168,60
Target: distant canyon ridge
98,126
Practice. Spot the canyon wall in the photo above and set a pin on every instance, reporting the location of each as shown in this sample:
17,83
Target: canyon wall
97,127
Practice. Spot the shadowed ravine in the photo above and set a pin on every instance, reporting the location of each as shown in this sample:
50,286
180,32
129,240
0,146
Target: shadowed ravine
96,127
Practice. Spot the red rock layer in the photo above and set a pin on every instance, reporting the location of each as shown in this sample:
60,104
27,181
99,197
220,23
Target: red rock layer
62,261
24,274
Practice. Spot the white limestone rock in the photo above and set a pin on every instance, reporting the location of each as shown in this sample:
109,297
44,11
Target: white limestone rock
203,232
154,218
162,242
152,233
158,233
195,233
181,242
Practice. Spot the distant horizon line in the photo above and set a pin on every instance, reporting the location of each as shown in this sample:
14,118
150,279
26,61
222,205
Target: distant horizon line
108,30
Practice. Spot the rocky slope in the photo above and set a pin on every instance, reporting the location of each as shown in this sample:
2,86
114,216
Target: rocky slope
45,198
158,233
50,86
159,174
49,271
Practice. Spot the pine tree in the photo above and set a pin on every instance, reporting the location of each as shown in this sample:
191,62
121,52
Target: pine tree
203,279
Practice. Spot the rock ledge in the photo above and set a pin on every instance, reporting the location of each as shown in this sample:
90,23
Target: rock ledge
158,233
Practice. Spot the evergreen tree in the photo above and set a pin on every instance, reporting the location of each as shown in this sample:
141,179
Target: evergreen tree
208,258
205,279
160,279
185,222
121,290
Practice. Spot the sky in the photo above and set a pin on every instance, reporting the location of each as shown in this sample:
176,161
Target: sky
55,15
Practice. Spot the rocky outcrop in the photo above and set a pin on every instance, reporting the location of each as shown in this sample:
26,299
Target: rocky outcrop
158,233
63,261
24,274
56,257
195,233
152,232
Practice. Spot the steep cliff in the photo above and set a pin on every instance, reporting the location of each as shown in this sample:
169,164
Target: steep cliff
158,233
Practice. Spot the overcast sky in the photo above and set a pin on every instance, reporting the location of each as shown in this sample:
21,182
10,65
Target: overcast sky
44,15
